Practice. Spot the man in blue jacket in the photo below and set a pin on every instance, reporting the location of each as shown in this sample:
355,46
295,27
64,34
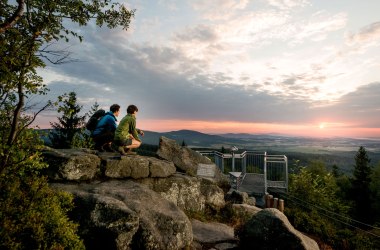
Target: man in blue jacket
105,129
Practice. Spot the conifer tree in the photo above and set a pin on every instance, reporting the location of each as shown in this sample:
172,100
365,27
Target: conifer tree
361,186
69,124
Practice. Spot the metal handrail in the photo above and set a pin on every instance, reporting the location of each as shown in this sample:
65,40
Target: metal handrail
267,161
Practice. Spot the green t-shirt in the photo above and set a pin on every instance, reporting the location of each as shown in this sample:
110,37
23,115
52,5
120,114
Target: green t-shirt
126,127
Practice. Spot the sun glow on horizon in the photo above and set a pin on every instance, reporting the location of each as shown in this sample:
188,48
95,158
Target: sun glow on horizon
322,130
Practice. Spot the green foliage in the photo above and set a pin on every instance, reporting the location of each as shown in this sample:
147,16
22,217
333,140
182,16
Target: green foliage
320,203
83,139
70,124
375,194
313,192
361,193
32,216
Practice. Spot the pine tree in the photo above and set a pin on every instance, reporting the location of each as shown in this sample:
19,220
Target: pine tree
69,124
335,171
361,186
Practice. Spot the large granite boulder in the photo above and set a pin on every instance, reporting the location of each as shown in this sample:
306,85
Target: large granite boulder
213,235
270,229
187,192
136,167
184,158
71,164
122,214
237,197
84,165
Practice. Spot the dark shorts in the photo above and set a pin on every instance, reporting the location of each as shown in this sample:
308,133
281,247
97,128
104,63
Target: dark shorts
103,138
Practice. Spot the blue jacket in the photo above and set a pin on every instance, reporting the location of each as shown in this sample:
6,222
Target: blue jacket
107,123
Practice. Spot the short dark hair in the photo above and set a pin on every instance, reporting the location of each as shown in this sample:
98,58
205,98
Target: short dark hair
114,108
131,109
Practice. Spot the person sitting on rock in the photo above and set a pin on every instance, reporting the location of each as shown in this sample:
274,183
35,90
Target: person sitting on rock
105,129
126,134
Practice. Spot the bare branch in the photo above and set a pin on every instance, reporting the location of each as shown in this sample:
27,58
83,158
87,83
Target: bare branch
61,56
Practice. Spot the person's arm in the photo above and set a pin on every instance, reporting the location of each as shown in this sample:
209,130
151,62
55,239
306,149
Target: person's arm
140,132
133,130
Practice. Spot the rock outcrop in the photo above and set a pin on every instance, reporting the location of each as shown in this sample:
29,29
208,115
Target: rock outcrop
72,164
137,167
137,202
127,215
213,235
270,229
184,158
189,193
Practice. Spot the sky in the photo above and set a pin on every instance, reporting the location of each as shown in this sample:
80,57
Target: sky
292,67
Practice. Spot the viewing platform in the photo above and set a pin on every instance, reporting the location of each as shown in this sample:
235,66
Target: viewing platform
250,171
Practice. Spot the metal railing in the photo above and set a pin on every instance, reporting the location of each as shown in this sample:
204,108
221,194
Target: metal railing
273,168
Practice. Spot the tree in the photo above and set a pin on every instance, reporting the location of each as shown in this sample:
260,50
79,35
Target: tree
336,171
375,191
313,192
83,138
69,124
31,214
361,192
26,30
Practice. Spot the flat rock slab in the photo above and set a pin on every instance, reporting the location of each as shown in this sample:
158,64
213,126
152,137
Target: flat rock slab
212,233
136,167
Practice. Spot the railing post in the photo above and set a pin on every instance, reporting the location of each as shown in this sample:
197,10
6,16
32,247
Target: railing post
286,173
233,161
265,173
222,159
244,163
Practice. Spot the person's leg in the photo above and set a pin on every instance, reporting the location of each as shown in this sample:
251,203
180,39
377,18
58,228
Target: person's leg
107,141
98,143
134,144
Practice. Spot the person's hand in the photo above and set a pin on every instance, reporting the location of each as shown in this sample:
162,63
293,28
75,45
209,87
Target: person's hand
131,136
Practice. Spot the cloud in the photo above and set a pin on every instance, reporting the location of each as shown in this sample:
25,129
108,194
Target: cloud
288,4
319,26
200,33
265,65
171,4
218,9
360,106
369,34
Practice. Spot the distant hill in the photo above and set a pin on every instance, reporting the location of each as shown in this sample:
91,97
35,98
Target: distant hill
265,141
191,138
339,151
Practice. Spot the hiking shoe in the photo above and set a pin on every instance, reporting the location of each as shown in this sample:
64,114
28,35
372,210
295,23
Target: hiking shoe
121,150
100,149
108,148
130,152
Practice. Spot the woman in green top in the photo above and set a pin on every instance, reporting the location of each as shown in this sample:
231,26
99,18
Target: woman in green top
126,134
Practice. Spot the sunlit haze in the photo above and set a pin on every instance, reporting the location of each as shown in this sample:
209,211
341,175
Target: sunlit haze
294,67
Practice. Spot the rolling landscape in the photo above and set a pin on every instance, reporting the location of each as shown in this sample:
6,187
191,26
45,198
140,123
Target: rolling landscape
338,151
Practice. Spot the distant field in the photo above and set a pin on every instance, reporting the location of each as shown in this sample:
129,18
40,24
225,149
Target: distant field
338,151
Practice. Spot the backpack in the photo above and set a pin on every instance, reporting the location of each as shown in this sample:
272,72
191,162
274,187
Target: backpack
94,119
